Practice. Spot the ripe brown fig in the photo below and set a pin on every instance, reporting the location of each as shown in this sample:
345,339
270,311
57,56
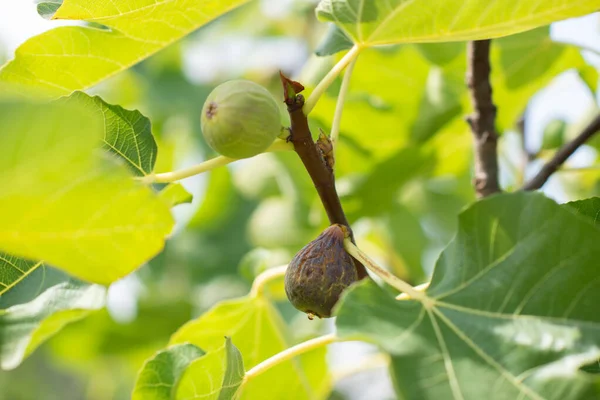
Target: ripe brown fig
319,273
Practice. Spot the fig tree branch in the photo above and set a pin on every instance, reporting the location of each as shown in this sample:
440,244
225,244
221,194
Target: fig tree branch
482,120
562,155
320,173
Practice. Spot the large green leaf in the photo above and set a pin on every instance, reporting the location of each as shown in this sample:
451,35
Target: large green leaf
127,134
259,332
64,202
215,376
511,309
25,326
75,57
378,22
13,270
160,375
589,208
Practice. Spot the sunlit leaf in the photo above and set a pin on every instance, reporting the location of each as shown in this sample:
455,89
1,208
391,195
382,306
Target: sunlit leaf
25,326
160,375
418,21
71,58
174,194
513,309
127,134
65,202
215,376
258,331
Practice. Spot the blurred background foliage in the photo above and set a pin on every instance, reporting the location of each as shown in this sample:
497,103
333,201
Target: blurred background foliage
403,170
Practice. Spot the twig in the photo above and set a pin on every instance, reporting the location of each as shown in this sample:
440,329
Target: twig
562,154
389,278
289,353
266,276
219,161
482,120
320,173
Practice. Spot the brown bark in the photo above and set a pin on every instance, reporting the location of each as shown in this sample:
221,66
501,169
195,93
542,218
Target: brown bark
483,118
562,155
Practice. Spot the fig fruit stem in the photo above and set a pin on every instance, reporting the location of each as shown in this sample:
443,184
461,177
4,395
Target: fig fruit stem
339,106
329,78
173,176
389,278
265,277
287,354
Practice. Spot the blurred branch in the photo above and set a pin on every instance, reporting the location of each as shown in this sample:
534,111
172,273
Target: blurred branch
562,155
320,173
482,120
580,169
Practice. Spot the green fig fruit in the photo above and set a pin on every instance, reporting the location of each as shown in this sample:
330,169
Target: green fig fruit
319,273
240,119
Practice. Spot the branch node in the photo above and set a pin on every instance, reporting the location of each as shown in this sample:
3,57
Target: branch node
312,158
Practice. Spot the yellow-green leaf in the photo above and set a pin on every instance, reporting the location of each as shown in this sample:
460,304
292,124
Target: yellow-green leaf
127,133
175,194
258,331
215,376
160,375
75,57
65,202
377,22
